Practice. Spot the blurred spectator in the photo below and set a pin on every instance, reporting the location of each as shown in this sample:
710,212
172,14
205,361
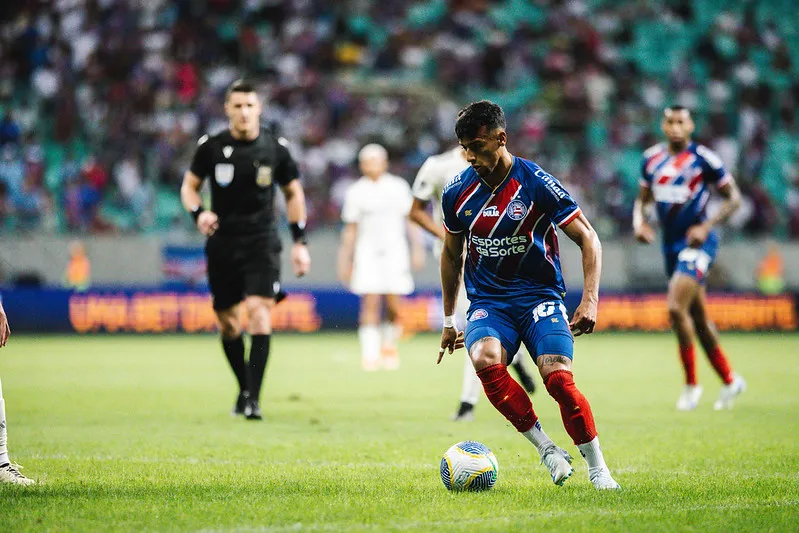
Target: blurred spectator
79,269
9,129
136,83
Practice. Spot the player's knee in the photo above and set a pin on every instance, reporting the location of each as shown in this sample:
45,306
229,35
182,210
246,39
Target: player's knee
677,313
485,353
229,326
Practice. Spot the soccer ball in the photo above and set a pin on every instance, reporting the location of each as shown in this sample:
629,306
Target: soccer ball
469,465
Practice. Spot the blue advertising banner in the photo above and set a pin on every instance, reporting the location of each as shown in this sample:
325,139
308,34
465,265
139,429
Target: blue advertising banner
186,310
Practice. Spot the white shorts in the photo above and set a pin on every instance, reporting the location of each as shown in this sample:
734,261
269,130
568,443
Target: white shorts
381,275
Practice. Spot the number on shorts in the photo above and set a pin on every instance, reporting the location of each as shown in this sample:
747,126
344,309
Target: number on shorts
548,309
696,259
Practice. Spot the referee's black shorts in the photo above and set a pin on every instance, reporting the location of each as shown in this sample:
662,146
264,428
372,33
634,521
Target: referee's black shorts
241,266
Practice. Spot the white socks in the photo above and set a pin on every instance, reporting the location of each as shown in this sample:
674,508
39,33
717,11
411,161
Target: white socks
390,334
369,335
592,454
540,440
472,386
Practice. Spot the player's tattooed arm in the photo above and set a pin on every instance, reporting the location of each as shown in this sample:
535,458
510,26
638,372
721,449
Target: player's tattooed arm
697,235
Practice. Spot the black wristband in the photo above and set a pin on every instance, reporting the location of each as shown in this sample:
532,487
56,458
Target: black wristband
298,232
195,213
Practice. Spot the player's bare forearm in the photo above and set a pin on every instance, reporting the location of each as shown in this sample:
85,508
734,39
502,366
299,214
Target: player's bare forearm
698,234
295,202
581,232
451,270
642,230
731,203
345,252
5,330
420,215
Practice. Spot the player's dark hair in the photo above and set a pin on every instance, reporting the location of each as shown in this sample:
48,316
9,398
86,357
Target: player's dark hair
476,115
677,107
239,86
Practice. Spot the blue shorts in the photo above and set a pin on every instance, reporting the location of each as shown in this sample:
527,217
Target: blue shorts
542,326
693,262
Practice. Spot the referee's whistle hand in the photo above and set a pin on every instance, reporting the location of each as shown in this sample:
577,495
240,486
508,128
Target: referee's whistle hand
300,259
208,223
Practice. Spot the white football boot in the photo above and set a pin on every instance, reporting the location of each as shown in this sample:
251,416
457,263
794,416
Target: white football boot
729,392
602,480
689,397
10,473
558,461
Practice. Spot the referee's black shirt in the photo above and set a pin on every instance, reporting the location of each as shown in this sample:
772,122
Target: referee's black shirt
243,177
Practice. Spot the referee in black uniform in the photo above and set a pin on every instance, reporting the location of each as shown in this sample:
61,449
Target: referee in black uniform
245,163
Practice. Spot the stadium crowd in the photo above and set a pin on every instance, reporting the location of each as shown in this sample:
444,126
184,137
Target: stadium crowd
101,101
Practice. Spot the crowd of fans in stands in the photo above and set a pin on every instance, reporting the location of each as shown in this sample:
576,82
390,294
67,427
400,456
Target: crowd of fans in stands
101,101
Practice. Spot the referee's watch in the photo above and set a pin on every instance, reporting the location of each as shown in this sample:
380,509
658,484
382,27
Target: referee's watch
195,213
298,232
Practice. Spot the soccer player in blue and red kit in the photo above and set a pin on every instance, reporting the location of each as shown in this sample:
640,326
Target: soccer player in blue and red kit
676,176
502,211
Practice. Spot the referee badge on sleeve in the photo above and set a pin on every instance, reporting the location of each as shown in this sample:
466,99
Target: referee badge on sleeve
223,174
264,177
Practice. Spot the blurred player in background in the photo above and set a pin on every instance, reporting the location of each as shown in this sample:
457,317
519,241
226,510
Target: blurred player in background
436,171
374,258
505,209
9,473
676,177
244,164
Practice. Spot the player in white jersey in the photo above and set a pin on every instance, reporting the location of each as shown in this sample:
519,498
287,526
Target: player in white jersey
374,257
436,171
9,472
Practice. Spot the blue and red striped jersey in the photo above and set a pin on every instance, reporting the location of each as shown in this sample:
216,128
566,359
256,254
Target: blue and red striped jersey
679,184
511,238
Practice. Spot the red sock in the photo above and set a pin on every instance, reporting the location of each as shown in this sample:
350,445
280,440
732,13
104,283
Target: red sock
720,364
574,409
508,396
688,358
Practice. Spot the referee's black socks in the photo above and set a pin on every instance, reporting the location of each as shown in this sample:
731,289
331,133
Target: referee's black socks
259,354
234,351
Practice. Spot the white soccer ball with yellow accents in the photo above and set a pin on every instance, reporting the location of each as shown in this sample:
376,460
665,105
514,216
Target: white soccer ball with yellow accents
469,465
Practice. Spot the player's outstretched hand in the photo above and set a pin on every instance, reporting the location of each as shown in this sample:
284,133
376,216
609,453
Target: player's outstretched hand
451,339
207,223
300,259
645,234
584,318
5,329
697,235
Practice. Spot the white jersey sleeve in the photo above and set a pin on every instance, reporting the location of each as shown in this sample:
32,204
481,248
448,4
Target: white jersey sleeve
424,186
351,211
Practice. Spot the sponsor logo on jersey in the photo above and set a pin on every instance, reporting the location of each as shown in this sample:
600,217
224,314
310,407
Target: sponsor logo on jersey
264,177
223,174
227,151
492,211
551,184
478,314
517,210
671,194
500,246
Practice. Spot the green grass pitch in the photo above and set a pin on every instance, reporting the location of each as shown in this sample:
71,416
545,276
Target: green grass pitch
134,434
